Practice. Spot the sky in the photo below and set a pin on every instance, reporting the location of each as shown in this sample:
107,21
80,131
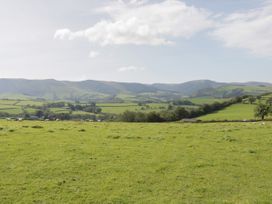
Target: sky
148,41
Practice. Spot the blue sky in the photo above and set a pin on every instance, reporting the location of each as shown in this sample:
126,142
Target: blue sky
146,41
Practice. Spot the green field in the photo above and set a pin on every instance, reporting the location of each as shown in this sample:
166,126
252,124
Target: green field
77,162
206,100
118,108
16,106
234,112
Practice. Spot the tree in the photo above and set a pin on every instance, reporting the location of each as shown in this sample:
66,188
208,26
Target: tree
269,101
128,116
154,117
140,117
39,113
262,110
170,107
251,99
25,114
181,113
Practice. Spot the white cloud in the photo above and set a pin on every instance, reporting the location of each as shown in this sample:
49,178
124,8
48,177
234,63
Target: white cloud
130,68
251,30
140,23
63,33
93,54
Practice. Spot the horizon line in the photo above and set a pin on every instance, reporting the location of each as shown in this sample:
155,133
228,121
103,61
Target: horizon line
151,83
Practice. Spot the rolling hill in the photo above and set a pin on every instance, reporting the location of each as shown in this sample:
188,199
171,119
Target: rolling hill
117,91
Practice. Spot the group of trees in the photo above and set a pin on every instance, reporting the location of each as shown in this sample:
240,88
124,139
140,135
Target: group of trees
131,116
262,110
52,116
176,113
45,111
90,108
182,103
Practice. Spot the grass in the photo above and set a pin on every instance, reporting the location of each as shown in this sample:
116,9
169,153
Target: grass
16,106
206,100
77,162
234,112
59,110
30,102
117,108
81,113
10,109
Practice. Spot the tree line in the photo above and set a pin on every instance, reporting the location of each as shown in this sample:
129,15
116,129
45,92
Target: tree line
177,113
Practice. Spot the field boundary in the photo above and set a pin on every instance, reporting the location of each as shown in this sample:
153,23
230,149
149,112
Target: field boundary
227,121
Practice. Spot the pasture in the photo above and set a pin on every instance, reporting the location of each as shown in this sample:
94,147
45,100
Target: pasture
233,112
80,162
206,100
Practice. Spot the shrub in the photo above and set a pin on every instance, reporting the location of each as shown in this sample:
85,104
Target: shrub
154,117
37,126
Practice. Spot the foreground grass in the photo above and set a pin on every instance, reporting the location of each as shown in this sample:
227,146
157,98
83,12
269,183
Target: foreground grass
74,162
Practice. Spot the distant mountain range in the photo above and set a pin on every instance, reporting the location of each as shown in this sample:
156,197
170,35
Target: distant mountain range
118,91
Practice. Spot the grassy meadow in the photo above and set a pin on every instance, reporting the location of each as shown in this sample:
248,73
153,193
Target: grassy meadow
234,112
206,100
80,162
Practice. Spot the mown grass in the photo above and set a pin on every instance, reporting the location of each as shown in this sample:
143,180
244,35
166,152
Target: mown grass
234,112
77,162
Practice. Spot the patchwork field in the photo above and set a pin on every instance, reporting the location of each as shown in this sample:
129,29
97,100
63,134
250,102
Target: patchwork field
80,162
12,106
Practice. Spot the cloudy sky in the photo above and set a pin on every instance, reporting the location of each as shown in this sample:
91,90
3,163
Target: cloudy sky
136,40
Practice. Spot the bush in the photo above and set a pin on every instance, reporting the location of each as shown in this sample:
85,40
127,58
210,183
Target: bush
128,116
37,126
154,117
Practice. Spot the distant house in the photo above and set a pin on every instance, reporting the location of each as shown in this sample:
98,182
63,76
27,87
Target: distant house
9,119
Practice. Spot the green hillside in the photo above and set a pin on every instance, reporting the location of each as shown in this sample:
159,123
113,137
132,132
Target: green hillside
234,112
103,91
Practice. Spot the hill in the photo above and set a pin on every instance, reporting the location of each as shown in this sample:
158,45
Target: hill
190,88
119,91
